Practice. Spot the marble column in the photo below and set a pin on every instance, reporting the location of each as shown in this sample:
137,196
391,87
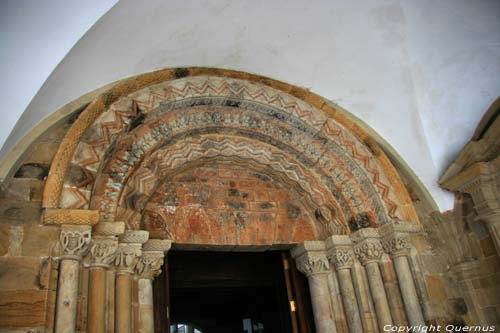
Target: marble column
149,267
74,241
127,256
368,250
396,244
103,249
340,254
312,261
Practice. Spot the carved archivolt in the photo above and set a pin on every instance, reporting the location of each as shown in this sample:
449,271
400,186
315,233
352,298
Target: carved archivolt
109,152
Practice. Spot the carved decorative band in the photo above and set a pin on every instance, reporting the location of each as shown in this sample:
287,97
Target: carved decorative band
70,216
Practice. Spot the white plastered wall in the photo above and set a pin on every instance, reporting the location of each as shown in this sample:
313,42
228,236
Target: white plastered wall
420,73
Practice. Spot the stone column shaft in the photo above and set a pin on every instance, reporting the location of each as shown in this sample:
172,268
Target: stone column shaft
148,268
146,310
97,300
378,293
67,296
408,291
128,254
340,254
369,251
349,300
74,241
312,261
364,298
123,299
396,244
393,292
103,250
338,308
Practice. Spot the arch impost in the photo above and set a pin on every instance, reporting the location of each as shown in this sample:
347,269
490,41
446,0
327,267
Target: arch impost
134,237
70,216
157,245
340,251
109,228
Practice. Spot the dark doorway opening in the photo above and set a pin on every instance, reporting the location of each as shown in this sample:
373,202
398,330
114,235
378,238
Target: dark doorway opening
229,292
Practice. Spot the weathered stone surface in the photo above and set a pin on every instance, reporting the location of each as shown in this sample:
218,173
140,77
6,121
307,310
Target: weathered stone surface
39,240
22,309
16,212
435,287
25,189
4,239
19,273
16,239
33,170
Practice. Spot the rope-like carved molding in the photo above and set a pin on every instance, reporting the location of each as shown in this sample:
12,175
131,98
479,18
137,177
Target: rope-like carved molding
70,216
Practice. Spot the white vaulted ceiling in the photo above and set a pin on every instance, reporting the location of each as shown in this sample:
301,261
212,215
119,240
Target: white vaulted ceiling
420,73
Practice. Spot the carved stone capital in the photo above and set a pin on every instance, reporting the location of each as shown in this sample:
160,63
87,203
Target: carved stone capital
103,250
396,245
127,256
130,250
313,263
341,258
153,252
310,258
75,241
340,253
368,251
149,265
367,245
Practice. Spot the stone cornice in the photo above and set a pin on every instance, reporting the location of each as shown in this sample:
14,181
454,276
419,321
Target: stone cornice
487,148
476,175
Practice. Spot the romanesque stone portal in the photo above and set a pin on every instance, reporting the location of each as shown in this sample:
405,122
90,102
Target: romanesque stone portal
210,159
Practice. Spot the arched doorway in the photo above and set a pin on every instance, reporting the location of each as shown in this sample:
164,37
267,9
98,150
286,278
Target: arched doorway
204,157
